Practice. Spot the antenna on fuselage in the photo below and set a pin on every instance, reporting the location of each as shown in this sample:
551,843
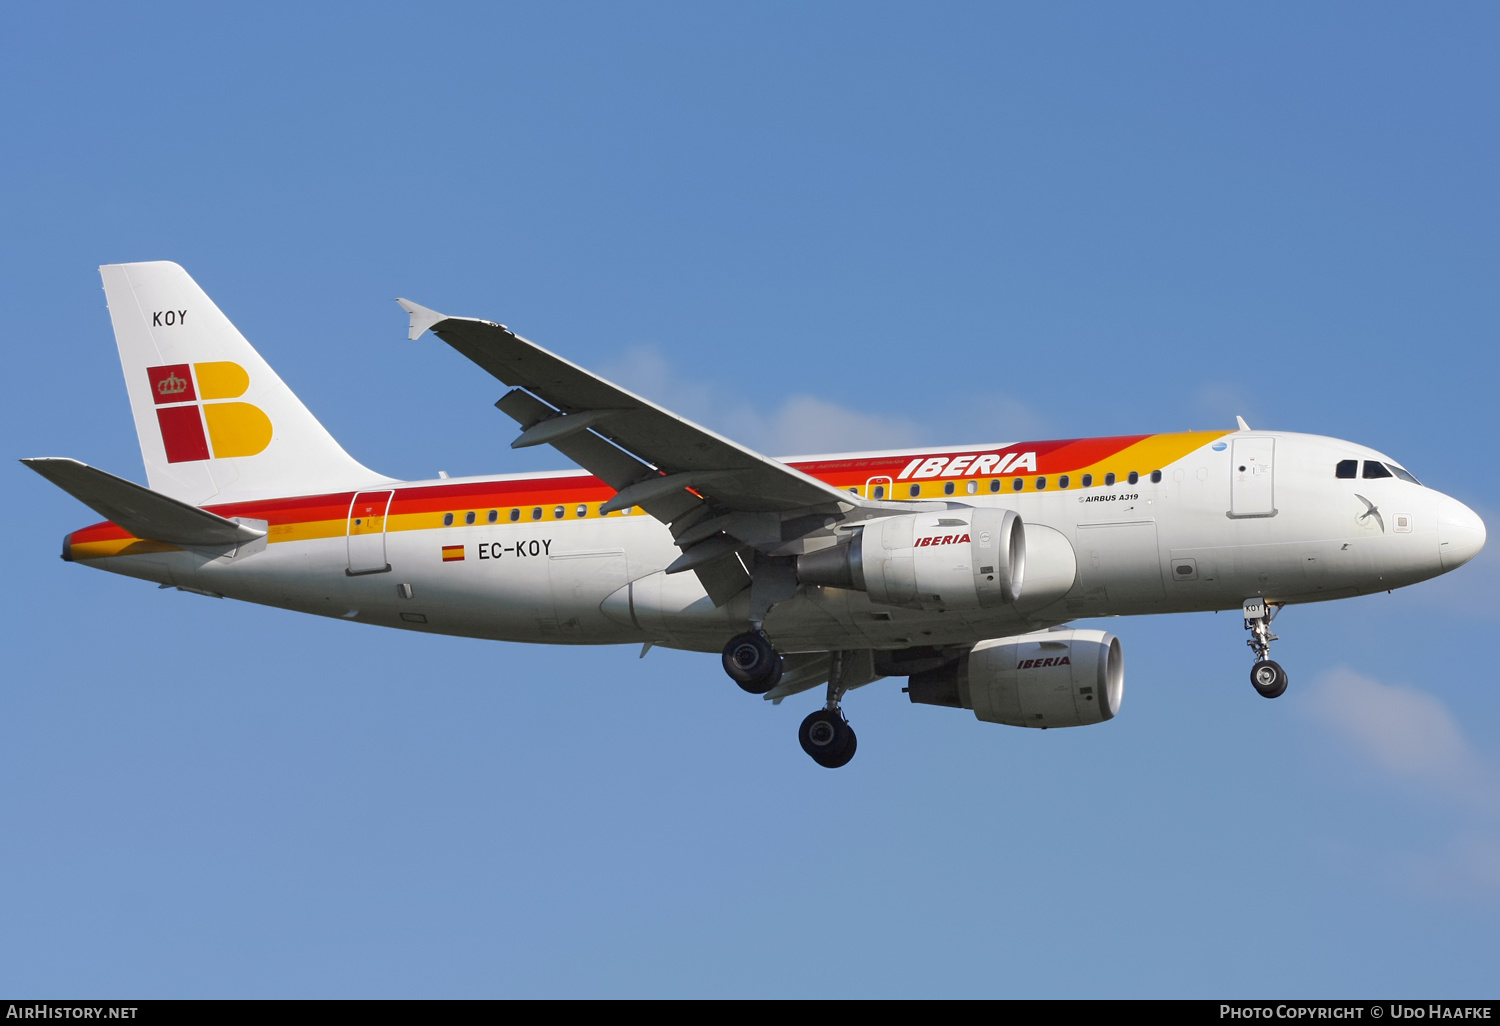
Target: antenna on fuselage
1243,425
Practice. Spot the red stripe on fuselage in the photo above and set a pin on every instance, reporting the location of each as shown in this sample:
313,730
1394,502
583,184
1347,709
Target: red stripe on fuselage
1055,456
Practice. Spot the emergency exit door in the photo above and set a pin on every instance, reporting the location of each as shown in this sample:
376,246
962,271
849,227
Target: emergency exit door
367,533
1251,493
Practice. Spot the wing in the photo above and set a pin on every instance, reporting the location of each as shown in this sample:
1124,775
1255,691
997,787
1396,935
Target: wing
719,498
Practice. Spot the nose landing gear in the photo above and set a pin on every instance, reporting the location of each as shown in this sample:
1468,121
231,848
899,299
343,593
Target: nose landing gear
1266,676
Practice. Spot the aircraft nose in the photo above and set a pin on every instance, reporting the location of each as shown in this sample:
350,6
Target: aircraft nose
1461,533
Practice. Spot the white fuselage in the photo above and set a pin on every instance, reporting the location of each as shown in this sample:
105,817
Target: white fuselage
1206,536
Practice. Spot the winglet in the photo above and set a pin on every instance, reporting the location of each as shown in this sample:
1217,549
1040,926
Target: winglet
421,318
1243,425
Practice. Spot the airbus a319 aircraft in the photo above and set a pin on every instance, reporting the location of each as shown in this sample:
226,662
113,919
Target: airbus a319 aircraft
956,568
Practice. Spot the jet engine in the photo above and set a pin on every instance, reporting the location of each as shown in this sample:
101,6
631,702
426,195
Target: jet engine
951,559
1050,679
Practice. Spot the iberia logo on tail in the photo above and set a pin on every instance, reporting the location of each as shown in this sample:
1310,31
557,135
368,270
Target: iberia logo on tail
183,411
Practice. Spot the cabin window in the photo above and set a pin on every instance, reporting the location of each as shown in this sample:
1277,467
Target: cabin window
1156,477
994,484
1062,481
1132,477
1374,469
582,510
916,490
972,487
879,492
1041,483
447,519
515,515
1403,474
494,515
1347,469
469,517
1016,484
1109,478
558,513
1088,481
948,488
536,513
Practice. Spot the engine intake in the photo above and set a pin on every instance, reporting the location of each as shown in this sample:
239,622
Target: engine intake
953,559
1051,679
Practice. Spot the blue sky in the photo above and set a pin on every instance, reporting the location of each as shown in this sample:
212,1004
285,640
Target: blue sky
814,228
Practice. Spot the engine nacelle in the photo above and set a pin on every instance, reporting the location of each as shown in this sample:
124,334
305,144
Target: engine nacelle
1050,679
951,559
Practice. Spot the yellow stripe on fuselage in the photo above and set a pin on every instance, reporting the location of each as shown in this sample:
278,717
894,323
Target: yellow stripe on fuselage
1150,454
1153,452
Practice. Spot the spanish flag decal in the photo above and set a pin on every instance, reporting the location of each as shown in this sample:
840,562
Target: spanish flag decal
453,553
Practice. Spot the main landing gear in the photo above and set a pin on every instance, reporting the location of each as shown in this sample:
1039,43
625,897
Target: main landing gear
752,663
1266,676
828,738
826,735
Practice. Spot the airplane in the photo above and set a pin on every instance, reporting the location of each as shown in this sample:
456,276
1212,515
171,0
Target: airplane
957,568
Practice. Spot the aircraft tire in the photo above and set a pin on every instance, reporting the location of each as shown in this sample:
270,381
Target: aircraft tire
827,738
752,663
1268,679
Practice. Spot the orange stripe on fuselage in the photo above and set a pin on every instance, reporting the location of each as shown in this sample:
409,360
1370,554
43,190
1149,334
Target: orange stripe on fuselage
301,518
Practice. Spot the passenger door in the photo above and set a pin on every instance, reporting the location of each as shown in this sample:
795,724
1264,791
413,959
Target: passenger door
367,533
1251,493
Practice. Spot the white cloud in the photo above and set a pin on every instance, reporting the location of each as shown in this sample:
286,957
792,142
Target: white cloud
1412,738
1406,732
1219,404
805,424
1469,865
799,424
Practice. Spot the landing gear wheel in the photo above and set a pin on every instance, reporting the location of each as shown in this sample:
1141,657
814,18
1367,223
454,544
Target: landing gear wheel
828,738
1268,678
752,663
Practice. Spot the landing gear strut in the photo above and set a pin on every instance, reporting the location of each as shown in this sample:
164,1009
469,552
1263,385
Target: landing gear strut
1266,676
751,661
825,734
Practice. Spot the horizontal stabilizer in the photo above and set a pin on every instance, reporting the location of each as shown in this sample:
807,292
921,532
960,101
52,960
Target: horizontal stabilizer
142,512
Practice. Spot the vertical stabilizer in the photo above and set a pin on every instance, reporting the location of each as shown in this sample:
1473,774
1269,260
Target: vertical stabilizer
214,421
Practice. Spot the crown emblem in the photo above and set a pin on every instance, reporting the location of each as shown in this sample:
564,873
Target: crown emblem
171,385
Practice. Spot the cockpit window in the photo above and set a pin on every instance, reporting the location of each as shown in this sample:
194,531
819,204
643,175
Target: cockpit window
1347,468
1403,474
1374,469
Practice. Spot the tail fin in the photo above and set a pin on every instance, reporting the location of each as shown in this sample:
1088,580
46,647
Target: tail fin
214,421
